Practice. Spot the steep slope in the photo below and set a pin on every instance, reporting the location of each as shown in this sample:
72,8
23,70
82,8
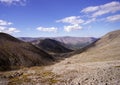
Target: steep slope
15,54
51,46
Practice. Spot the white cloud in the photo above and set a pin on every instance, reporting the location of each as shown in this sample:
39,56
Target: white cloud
71,20
13,2
3,22
49,29
77,23
74,22
96,11
113,18
2,28
72,27
90,20
90,9
5,27
12,30
8,30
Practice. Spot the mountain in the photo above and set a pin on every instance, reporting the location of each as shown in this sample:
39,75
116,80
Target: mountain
15,53
51,46
96,64
73,43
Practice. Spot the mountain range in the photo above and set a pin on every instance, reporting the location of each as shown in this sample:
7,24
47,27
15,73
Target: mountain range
72,43
95,64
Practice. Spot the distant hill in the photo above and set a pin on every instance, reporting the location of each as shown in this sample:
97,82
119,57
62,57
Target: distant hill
51,46
73,43
15,53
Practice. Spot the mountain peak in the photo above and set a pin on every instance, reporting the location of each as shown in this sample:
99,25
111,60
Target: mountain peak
109,37
5,36
113,34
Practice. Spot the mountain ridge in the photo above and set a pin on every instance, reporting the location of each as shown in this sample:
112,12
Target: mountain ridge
51,45
16,53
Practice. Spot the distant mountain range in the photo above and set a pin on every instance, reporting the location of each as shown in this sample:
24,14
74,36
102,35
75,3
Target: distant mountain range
72,43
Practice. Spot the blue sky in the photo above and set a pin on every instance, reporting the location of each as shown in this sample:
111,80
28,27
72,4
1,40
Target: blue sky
52,18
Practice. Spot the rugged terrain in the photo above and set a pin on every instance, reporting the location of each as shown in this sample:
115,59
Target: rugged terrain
97,65
15,54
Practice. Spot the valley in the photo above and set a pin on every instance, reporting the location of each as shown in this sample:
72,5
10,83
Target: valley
95,64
